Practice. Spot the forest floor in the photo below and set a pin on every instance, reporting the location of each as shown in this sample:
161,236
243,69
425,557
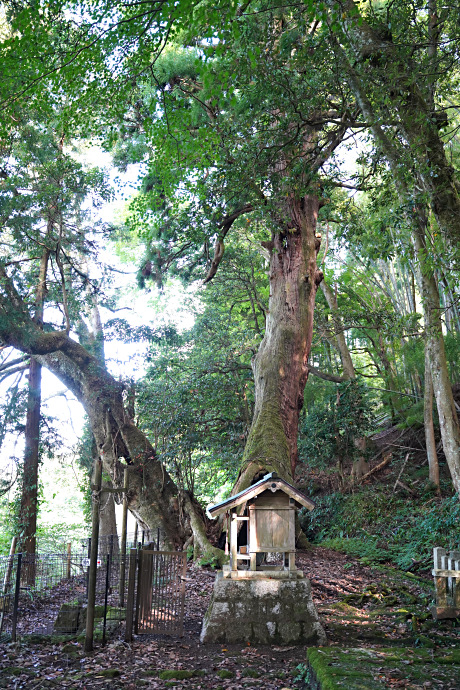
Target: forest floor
364,611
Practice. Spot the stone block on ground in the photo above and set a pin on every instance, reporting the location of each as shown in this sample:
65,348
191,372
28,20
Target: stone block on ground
67,620
262,612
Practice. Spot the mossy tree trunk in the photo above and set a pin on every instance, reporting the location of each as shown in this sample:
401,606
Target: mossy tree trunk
280,365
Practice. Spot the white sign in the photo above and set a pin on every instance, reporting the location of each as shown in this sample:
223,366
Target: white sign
86,561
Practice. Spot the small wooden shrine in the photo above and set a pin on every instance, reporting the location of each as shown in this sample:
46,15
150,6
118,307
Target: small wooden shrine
268,508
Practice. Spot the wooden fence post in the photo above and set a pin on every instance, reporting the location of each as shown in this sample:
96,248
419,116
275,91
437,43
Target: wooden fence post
440,563
4,597
453,563
130,599
69,559
121,587
93,558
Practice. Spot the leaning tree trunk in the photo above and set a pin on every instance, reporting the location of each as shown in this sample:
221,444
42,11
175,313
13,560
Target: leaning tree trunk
280,366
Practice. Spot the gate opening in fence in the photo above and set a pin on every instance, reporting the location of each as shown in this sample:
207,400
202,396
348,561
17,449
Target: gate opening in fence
47,594
161,592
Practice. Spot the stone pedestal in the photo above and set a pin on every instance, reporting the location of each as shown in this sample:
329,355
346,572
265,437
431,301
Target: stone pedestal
262,611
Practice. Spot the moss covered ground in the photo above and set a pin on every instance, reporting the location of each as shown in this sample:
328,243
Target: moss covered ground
359,668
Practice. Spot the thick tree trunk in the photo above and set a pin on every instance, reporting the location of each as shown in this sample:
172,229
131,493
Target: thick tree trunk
280,366
153,494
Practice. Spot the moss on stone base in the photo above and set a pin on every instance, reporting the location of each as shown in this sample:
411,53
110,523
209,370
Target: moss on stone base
333,668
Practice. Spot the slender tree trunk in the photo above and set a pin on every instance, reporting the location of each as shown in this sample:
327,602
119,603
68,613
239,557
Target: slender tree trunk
345,356
413,106
280,366
360,465
433,465
29,494
448,420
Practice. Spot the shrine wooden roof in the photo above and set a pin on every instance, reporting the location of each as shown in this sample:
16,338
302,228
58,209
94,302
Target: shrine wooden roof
272,482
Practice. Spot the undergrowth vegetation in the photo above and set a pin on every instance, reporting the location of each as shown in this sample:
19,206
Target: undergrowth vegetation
378,526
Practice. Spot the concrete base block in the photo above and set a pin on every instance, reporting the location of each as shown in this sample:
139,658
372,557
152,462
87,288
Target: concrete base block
269,611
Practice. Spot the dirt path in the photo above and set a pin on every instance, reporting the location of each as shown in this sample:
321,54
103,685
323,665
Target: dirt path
358,607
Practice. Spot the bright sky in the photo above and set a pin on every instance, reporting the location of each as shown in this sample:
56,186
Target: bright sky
138,308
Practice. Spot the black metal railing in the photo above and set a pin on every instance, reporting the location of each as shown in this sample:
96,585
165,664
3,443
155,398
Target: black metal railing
47,593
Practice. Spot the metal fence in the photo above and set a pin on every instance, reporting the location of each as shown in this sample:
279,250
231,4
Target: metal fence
134,540
47,594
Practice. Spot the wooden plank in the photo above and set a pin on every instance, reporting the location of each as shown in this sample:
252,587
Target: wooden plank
268,482
453,584
440,582
269,499
446,573
130,600
234,541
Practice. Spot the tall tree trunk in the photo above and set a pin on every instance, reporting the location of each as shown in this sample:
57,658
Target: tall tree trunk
433,465
93,339
345,356
280,365
450,429
29,494
448,420
413,105
360,465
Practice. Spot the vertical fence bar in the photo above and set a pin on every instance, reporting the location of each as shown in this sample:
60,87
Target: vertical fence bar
93,558
158,539
106,595
87,570
139,591
16,598
69,559
124,524
130,599
6,582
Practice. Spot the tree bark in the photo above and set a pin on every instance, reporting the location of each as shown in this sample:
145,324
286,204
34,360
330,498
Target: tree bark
345,356
448,420
433,465
153,495
29,495
414,108
280,365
